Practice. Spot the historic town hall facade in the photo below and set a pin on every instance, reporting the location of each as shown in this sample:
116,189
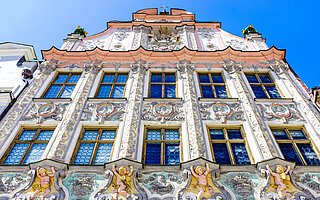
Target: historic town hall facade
162,107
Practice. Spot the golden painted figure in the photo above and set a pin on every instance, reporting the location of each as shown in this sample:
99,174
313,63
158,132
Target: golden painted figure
279,177
201,177
45,182
122,180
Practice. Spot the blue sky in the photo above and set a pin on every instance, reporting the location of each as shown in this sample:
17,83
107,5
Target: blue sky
288,24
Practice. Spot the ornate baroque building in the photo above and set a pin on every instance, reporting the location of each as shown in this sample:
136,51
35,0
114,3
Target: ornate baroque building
162,107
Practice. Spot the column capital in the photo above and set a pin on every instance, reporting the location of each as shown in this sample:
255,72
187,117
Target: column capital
139,66
94,66
232,66
279,67
185,66
48,66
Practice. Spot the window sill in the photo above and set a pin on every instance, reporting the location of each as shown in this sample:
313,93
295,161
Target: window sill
52,99
202,99
280,100
148,99
107,99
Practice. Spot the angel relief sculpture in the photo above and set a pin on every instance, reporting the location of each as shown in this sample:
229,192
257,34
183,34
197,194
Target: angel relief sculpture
123,181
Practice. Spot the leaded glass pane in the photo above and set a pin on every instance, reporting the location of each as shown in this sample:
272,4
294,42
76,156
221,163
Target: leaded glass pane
61,78
171,135
217,78
172,154
53,91
27,135
290,153
265,79
44,135
104,91
273,92
153,154
252,78
221,91
170,78
170,91
207,91
108,78
16,154
156,78
240,154
108,135
216,134
156,91
73,78
90,135
35,153
118,91
234,134
204,78
221,153
280,134
258,92
154,135
84,154
103,154
121,78
308,154
297,135
67,91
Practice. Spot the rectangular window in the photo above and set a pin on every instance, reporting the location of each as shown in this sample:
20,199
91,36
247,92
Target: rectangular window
62,86
112,85
263,86
94,147
27,147
162,147
212,85
296,146
228,146
163,85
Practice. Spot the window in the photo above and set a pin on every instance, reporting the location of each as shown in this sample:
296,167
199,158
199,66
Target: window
28,147
263,86
63,86
212,85
94,147
163,85
112,85
296,146
162,147
229,147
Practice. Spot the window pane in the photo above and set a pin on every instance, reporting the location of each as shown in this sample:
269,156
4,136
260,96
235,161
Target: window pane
171,135
154,135
221,154
84,154
90,135
258,92
153,154
252,79
207,91
108,135
156,91
104,91
204,78
234,134
121,78
290,153
217,78
118,91
217,135
297,135
67,91
27,135
156,78
273,92
108,78
16,154
103,154
44,135
240,154
170,78
280,134
73,78
308,154
172,154
170,91
53,91
221,91
61,79
35,153
265,79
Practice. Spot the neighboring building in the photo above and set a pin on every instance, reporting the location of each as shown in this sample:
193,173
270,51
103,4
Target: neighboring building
134,111
15,59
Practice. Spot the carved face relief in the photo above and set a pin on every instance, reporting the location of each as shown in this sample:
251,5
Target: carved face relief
162,110
220,109
104,109
279,110
47,110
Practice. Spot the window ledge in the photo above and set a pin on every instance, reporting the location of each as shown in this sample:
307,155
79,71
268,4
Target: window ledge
52,99
148,99
218,99
107,99
280,100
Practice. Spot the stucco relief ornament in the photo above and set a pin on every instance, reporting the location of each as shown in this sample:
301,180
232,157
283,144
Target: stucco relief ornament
238,45
48,66
93,66
231,66
164,38
279,67
139,66
104,110
221,111
91,44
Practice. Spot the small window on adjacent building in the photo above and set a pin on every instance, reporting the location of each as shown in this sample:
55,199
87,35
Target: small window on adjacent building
163,85
112,85
212,85
296,146
263,86
62,86
162,147
94,147
228,146
28,147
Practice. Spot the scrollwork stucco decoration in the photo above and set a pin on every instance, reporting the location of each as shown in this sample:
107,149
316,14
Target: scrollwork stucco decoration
48,66
280,111
104,111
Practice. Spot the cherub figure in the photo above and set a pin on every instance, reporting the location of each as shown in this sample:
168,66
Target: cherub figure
123,180
45,182
201,177
279,176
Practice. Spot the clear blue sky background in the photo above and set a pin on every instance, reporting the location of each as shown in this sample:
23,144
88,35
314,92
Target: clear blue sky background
287,24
